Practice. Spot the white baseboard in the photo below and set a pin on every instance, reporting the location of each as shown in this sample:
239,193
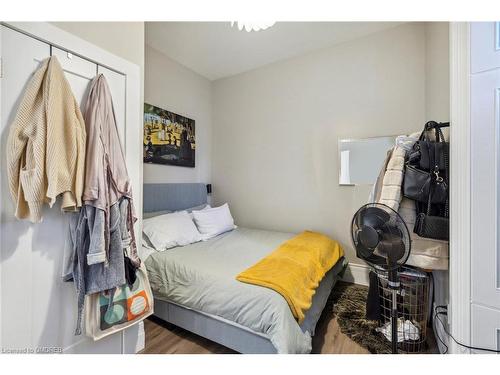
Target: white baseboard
357,274
141,338
107,345
130,341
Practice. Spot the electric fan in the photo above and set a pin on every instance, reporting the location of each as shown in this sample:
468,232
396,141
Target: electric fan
381,238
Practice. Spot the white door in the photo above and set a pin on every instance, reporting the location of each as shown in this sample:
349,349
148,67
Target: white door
38,309
485,173
485,46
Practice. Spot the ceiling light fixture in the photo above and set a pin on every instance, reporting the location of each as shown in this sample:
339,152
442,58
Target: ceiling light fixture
252,26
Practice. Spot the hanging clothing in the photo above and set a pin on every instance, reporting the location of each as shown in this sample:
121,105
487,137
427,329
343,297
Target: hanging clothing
101,237
390,192
106,177
46,145
84,243
376,190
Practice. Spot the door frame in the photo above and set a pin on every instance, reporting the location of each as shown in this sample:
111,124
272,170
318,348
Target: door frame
459,309
61,39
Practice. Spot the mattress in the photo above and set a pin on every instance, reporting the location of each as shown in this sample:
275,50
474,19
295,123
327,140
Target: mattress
201,277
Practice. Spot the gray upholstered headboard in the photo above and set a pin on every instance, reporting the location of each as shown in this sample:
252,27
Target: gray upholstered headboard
173,197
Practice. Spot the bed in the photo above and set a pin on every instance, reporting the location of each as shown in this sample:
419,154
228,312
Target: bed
195,286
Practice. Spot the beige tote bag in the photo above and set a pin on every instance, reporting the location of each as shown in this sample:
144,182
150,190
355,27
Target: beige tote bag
110,312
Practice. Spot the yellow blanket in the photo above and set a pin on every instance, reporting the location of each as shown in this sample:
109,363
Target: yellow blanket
295,269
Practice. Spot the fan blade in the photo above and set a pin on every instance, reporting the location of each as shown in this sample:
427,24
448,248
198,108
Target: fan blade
373,217
369,237
368,254
392,247
362,251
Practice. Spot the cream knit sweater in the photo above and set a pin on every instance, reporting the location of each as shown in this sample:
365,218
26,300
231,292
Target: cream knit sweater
46,145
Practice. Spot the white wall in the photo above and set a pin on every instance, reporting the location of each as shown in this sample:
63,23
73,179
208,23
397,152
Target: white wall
173,87
437,71
124,39
275,157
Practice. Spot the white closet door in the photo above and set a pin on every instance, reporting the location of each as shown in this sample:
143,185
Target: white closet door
38,308
485,327
485,173
20,242
485,107
485,46
79,72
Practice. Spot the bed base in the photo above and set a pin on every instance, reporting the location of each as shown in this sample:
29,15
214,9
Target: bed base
216,329
235,336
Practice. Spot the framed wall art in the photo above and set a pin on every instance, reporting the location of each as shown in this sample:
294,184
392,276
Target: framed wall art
169,138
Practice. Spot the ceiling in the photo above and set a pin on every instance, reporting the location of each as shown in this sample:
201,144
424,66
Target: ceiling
216,50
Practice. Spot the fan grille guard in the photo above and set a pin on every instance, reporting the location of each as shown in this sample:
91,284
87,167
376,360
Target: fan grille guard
380,237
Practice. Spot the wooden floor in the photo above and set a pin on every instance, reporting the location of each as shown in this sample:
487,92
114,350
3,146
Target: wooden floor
165,338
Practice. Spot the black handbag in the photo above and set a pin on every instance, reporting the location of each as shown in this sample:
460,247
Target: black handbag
430,155
434,222
417,185
435,227
426,167
433,217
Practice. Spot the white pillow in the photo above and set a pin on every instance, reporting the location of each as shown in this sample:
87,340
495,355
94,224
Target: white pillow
213,221
171,230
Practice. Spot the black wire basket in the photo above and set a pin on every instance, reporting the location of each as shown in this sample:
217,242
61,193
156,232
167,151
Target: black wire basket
413,308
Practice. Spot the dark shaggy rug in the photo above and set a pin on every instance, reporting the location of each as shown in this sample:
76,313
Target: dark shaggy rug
349,307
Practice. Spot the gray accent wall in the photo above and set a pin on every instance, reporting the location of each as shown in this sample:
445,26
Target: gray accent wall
173,197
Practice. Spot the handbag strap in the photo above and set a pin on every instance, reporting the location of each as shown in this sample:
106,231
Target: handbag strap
433,125
428,213
434,173
429,125
434,180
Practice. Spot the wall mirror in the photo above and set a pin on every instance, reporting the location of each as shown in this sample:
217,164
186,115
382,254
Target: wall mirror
361,159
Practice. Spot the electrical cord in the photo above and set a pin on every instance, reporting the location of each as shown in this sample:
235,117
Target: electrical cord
434,318
436,331
437,316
